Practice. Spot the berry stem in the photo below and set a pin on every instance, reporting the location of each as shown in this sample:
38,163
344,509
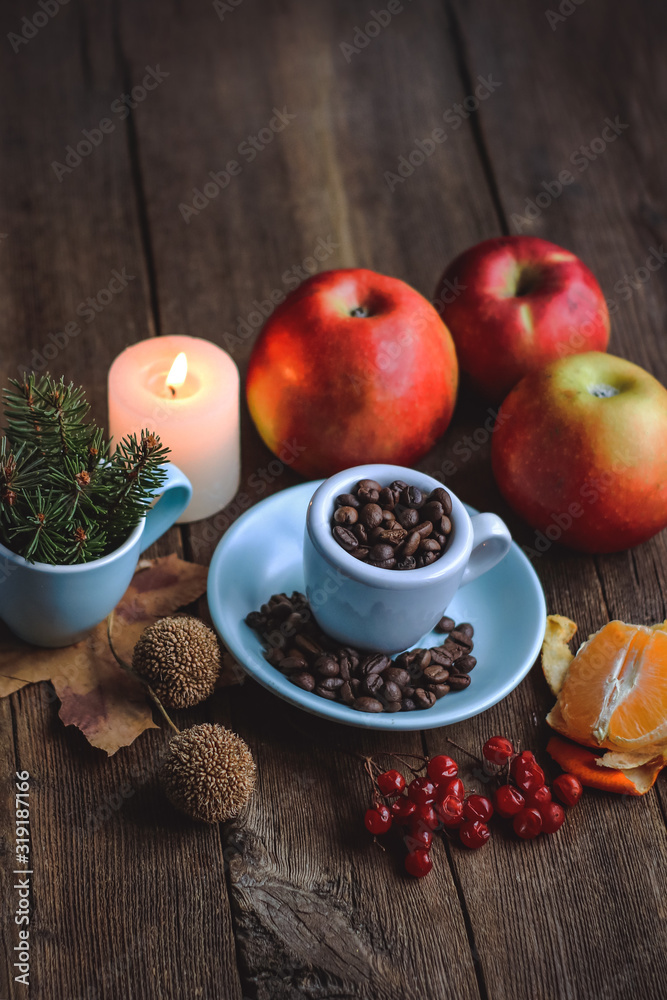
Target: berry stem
463,750
126,666
402,759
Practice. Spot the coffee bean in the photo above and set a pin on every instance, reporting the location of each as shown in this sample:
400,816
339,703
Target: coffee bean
303,680
274,656
308,646
368,495
345,515
392,691
385,564
436,674
331,683
422,658
408,518
351,654
368,484
393,706
255,621
396,675
432,511
445,624
408,562
371,515
439,690
458,682
381,552
372,685
325,693
466,629
424,529
398,486
386,498
388,518
355,684
411,544
360,533
426,558
443,497
454,650
413,497
347,500
293,663
392,536
461,639
440,539
367,705
345,538
439,656
327,665
429,545
361,553
375,663
344,664
423,698
346,693
444,526
465,664
408,705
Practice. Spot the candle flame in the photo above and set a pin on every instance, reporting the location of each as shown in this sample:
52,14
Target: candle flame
177,373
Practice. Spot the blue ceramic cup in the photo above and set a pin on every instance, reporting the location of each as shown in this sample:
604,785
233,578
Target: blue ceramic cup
385,609
58,605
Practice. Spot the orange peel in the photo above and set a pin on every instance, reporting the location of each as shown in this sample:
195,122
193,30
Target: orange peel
594,773
556,653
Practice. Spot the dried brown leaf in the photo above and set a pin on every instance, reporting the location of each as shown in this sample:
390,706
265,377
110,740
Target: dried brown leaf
108,706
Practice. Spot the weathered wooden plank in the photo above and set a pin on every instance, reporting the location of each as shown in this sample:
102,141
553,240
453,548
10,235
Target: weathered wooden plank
318,911
8,764
609,215
128,899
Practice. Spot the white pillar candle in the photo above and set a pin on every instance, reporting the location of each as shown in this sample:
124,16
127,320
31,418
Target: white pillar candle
197,416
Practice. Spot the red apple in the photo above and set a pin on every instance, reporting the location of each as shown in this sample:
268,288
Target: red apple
515,303
580,452
353,367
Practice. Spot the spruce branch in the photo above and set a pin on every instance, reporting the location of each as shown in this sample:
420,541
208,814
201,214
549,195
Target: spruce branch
64,497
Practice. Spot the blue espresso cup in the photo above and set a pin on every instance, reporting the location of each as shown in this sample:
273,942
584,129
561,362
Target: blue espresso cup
58,605
388,610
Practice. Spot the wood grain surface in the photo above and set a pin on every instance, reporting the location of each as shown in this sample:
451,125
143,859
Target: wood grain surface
293,902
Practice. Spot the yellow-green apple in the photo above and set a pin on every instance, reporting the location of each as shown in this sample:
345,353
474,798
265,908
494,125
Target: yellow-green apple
513,304
352,367
580,452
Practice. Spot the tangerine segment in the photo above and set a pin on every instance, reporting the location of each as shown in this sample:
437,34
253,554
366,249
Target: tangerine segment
641,716
591,687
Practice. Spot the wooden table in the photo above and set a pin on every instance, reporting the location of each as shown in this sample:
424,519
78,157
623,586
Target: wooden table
294,901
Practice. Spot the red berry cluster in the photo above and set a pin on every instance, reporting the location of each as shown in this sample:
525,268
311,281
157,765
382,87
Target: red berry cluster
437,800
526,798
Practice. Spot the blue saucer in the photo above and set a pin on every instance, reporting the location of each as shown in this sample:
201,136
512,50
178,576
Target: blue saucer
261,554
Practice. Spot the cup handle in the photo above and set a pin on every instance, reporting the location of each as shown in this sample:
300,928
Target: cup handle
173,498
491,542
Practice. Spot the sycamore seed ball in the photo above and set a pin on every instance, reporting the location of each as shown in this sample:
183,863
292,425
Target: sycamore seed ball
209,773
180,659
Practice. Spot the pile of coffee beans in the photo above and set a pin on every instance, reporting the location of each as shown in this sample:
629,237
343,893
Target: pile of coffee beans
393,527
368,682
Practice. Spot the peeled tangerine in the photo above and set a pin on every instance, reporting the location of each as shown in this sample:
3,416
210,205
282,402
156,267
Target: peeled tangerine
612,695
